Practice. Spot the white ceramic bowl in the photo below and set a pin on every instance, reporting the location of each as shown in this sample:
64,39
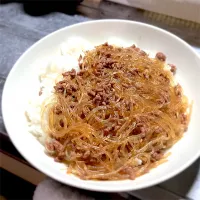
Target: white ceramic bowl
20,82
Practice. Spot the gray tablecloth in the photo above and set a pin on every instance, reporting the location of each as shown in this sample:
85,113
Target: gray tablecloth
18,31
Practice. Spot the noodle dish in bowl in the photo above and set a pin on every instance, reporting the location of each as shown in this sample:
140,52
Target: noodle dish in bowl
112,112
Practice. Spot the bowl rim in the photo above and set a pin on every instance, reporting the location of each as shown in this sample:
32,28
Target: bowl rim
93,187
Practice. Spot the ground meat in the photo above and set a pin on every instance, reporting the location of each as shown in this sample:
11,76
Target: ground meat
59,88
134,72
80,62
164,98
156,156
50,146
106,44
41,90
72,105
86,154
142,119
82,116
61,123
133,46
74,87
108,55
117,128
92,93
63,87
84,112
146,74
178,90
158,130
101,98
80,73
163,79
137,49
104,53
140,129
68,90
173,68
128,105
160,56
143,53
97,99
80,58
105,62
71,73
102,93
107,130
130,171
60,157
183,118
155,113
98,69
125,85
99,89
58,148
97,73
57,110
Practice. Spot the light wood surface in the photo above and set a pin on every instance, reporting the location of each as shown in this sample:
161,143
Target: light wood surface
184,9
20,169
